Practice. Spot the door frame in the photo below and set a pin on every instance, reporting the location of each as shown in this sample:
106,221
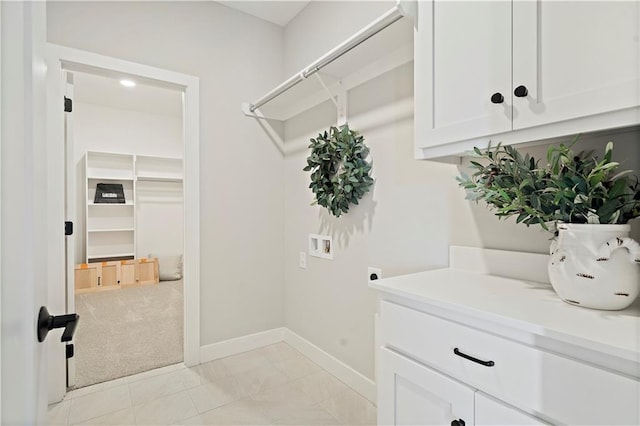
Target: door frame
61,58
24,201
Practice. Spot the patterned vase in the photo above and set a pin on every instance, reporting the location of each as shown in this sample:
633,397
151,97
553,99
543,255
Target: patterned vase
595,266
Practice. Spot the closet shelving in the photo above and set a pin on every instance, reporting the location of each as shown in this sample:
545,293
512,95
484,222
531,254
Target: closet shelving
382,45
158,169
111,228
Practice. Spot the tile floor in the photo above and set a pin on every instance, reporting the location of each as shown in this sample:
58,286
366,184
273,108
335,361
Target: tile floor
274,385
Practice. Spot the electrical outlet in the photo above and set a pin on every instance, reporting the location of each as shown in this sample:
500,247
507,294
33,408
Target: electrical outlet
374,273
303,260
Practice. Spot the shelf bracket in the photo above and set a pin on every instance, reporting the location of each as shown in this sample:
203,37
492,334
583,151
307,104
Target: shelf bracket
246,110
339,100
409,8
266,126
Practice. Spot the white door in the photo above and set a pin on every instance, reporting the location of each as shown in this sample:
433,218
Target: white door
575,58
412,394
462,70
24,228
490,412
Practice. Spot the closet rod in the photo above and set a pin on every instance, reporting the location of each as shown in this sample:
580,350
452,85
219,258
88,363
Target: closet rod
393,15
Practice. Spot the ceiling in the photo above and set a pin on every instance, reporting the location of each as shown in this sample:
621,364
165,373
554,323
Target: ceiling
105,91
278,12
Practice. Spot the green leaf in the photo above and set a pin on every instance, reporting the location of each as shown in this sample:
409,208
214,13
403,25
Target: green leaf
618,189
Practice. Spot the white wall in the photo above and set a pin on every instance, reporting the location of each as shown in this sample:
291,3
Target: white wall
237,58
402,226
406,224
158,205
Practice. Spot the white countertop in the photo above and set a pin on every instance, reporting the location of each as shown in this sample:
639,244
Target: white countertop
523,305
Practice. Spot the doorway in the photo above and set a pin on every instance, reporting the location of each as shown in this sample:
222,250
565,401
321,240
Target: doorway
61,60
127,254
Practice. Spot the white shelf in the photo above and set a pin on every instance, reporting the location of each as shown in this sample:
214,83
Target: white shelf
159,178
106,165
387,49
108,255
127,204
158,169
112,230
110,177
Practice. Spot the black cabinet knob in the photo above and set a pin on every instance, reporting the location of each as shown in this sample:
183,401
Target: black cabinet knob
497,98
458,422
521,92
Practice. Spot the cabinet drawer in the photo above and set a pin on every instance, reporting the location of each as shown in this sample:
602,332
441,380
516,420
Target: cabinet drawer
490,412
554,387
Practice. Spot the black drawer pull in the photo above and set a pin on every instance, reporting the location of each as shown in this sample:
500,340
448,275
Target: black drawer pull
470,358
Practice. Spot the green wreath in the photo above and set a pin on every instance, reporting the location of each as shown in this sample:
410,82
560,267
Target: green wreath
340,171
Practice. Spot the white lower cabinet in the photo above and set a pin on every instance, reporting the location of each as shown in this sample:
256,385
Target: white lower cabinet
413,394
459,345
490,412
434,370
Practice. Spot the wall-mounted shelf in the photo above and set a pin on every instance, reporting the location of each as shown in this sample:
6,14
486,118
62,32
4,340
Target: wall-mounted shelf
112,230
126,204
158,169
381,46
111,227
106,165
158,178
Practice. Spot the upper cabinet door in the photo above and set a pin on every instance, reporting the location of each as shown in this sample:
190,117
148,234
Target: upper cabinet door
575,59
462,70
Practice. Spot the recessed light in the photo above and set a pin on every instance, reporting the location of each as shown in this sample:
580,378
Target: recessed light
128,83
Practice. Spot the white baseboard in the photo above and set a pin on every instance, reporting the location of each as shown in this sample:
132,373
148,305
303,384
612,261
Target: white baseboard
241,344
356,381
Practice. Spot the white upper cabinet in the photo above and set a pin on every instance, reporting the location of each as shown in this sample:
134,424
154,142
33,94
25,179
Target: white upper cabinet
575,59
523,70
462,58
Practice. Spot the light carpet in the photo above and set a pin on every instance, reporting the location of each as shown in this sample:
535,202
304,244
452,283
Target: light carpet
128,331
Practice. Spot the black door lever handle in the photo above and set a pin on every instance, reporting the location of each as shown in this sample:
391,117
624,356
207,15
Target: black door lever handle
47,322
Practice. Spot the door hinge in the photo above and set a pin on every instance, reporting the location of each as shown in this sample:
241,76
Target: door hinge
68,104
70,351
68,228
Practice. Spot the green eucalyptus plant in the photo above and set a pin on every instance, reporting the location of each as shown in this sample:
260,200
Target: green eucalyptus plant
571,188
339,169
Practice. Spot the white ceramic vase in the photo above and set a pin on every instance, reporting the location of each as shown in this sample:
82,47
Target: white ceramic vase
595,266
